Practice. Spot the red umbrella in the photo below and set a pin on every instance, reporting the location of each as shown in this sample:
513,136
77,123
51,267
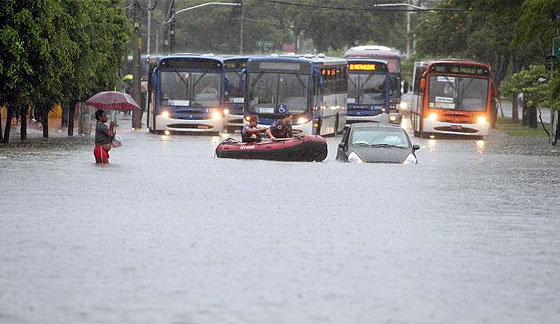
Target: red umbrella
113,100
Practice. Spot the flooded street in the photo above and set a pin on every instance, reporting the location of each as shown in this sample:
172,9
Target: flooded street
169,234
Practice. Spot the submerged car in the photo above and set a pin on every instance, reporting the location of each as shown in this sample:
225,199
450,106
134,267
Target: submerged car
376,143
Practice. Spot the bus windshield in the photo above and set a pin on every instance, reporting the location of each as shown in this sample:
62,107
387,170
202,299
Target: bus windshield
458,93
234,94
366,89
276,93
190,89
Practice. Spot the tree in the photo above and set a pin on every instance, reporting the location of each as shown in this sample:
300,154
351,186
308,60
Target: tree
536,89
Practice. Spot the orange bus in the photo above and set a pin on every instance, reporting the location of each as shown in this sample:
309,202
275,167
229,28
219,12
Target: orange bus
452,97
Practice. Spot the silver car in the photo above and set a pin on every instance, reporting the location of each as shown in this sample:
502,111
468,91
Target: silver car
376,143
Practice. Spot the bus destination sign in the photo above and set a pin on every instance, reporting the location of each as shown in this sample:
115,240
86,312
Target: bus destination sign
460,69
190,63
367,67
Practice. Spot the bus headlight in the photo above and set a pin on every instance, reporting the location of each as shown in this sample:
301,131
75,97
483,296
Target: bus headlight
226,111
354,158
433,117
165,114
216,115
302,120
481,120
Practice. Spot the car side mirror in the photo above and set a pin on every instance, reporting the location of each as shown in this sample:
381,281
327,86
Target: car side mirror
415,147
341,144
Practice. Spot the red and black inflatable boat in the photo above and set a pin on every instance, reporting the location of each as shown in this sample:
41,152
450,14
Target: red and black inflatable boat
303,149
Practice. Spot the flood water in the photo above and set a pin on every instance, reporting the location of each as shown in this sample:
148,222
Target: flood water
170,234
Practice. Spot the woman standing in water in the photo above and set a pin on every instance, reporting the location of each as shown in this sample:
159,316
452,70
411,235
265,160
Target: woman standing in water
103,137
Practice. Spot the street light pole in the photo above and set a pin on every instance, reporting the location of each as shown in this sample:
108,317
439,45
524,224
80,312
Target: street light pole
136,66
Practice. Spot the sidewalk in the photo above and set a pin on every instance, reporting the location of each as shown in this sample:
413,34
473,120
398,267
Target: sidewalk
35,128
507,108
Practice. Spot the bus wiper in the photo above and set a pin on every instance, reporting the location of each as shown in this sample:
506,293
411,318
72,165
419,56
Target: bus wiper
385,145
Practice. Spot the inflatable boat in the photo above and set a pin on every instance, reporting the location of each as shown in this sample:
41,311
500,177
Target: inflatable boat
302,149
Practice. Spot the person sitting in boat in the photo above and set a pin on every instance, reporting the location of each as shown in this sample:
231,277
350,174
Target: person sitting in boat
251,133
282,128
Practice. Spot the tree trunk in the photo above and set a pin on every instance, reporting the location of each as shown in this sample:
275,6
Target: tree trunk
45,122
8,128
532,116
514,108
64,118
71,111
1,134
524,116
23,118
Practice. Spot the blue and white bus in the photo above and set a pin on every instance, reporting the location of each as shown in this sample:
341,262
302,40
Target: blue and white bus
393,59
312,88
234,92
186,94
369,97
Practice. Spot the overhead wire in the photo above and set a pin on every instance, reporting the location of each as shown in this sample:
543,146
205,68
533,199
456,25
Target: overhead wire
372,8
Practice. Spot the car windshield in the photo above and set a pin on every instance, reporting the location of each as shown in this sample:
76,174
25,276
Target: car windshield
366,89
458,93
186,88
277,93
380,137
234,94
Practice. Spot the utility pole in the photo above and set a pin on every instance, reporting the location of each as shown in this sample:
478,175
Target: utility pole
241,31
136,66
172,29
149,31
408,33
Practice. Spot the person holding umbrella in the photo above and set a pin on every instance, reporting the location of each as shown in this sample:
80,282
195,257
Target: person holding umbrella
103,137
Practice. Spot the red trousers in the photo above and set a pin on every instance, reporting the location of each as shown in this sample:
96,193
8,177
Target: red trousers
101,155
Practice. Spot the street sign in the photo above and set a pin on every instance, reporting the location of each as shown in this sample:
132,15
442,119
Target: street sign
556,47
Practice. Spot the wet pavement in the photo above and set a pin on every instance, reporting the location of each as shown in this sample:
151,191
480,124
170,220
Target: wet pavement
169,234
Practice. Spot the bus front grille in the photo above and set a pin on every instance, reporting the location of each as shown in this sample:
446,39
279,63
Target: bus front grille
190,126
456,129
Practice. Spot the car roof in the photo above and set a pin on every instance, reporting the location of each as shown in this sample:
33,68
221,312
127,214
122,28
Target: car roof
379,126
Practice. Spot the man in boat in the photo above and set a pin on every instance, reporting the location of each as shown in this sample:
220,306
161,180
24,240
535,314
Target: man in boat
282,128
251,133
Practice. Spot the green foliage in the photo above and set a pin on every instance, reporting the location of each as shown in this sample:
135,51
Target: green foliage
533,83
537,25
482,34
59,50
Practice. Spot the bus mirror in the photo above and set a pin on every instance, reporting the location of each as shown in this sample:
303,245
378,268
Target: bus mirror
242,79
422,84
405,87
319,77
